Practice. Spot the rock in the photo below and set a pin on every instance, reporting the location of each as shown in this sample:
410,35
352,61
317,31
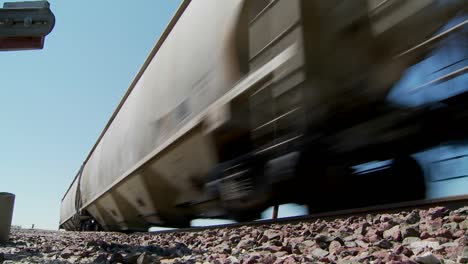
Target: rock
403,250
73,259
450,244
393,234
306,244
458,233
323,238
319,253
116,258
462,211
361,230
180,250
362,244
464,256
288,260
350,244
456,218
425,235
131,258
92,243
320,228
434,225
287,249
437,212
101,258
334,247
448,261
408,231
381,254
272,234
235,239
451,226
421,245
412,218
246,243
144,258
268,259
427,258
373,238
223,248
275,243
443,233
271,248
66,253
280,254
386,218
295,240
233,260
384,227
463,225
306,233
385,244
252,259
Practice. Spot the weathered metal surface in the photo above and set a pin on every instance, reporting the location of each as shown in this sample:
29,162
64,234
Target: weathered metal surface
7,202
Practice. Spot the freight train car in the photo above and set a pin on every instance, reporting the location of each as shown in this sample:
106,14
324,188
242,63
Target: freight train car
245,104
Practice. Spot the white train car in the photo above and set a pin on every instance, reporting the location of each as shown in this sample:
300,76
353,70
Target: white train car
229,78
144,162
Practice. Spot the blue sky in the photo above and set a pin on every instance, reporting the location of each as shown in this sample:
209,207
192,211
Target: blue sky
55,102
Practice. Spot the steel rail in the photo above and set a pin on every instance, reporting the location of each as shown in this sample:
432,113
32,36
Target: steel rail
451,202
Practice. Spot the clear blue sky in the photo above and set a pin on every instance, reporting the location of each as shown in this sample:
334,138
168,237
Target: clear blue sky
56,101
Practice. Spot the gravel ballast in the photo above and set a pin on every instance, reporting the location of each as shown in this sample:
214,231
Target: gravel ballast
436,235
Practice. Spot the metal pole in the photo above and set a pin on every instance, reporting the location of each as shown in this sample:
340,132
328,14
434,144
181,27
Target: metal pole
7,201
275,211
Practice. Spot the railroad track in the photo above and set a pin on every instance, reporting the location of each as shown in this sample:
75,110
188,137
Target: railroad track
451,202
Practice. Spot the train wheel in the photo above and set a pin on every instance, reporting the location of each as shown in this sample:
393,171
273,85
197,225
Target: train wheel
244,196
329,189
244,216
177,221
408,179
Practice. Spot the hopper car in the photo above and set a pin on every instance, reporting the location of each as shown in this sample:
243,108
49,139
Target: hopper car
244,104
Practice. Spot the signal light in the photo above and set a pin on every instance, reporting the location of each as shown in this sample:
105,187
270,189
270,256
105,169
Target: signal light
24,25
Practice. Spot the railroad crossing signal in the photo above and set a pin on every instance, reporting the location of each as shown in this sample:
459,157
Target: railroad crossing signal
24,25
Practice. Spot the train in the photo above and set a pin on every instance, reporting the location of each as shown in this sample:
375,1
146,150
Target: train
245,104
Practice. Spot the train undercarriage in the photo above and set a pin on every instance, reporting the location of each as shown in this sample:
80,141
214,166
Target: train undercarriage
318,171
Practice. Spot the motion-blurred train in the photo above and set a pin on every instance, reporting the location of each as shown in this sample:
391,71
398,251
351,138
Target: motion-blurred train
244,104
